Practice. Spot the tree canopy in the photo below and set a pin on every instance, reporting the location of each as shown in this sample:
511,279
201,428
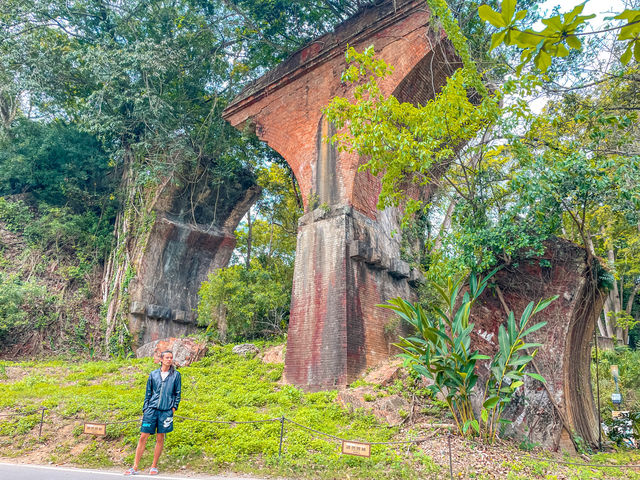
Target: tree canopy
515,174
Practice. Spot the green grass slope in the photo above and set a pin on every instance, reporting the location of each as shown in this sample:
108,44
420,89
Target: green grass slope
223,386
227,387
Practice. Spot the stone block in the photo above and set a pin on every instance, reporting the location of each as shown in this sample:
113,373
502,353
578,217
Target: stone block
416,277
399,268
138,308
384,374
384,409
182,316
274,355
360,251
378,260
246,349
158,312
185,350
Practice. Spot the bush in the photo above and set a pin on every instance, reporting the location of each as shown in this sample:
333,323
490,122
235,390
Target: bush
23,306
238,303
628,362
59,229
441,351
54,163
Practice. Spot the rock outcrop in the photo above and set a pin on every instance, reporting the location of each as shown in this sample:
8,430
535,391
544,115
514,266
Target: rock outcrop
185,350
192,236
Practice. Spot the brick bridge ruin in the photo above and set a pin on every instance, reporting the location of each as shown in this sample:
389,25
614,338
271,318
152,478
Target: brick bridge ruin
347,259
191,236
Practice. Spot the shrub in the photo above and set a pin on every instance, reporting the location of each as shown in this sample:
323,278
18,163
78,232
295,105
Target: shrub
238,303
23,306
441,351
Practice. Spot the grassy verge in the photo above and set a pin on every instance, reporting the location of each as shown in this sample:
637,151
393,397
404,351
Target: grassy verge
223,386
227,387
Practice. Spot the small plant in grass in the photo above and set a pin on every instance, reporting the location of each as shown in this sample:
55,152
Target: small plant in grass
441,351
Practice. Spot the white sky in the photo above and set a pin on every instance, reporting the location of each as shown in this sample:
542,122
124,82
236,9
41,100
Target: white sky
602,8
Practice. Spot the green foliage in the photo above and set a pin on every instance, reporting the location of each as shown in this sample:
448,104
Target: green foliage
560,35
252,302
628,362
58,230
274,227
56,164
507,368
24,306
403,141
251,298
441,352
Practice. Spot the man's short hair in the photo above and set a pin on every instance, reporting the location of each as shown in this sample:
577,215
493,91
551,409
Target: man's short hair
163,353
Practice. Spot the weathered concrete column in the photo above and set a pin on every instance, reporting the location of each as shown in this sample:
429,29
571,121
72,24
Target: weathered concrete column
344,271
192,236
348,252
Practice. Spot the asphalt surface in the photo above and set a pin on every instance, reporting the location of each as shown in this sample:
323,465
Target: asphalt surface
10,471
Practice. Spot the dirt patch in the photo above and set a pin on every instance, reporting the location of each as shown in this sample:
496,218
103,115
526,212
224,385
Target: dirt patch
13,374
274,354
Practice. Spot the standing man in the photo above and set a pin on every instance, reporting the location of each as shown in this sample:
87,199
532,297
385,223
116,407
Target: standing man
160,401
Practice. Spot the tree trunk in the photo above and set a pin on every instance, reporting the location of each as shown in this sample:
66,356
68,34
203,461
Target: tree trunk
631,298
222,322
271,227
602,329
609,332
249,233
9,103
446,223
614,299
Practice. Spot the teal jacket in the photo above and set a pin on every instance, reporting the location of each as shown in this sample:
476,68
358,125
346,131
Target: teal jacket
163,395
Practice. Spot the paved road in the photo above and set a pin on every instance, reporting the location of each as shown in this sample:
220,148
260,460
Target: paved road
9,471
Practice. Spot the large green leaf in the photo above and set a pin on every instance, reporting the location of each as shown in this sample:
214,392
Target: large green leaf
542,304
508,9
491,402
524,318
532,329
522,360
489,15
536,376
511,325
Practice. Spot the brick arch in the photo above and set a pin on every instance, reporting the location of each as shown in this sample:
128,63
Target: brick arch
347,260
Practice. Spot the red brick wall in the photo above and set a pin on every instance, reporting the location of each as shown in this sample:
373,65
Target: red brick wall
287,111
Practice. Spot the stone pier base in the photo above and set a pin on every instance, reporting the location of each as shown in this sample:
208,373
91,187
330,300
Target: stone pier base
346,264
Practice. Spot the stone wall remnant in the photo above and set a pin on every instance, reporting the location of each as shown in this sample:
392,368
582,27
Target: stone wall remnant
192,236
563,407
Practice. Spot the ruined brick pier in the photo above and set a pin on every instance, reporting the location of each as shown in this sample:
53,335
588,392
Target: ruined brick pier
347,260
188,240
